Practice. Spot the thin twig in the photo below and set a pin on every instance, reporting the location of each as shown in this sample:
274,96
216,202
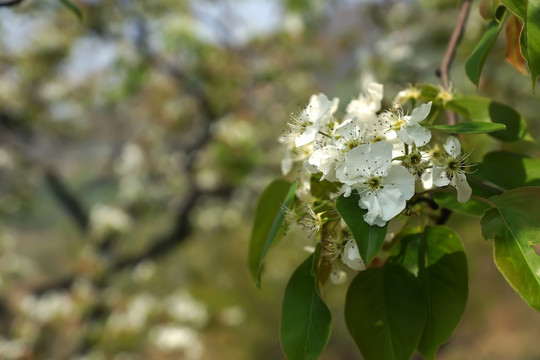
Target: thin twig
443,72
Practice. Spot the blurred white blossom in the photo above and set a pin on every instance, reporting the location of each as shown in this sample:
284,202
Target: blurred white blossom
178,339
135,316
12,349
53,305
105,220
233,315
183,307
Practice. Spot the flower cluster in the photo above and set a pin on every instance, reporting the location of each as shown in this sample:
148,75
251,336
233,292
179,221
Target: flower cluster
380,155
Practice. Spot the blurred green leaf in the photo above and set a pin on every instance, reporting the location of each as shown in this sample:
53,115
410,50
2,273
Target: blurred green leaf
74,9
368,238
443,276
514,226
305,319
428,92
475,62
267,224
478,108
528,11
473,127
385,313
509,170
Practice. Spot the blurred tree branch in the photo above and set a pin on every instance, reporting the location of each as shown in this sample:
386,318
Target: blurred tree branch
10,3
443,72
60,190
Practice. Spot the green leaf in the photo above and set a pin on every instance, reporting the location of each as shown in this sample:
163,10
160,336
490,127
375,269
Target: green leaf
405,252
472,207
528,12
368,238
509,170
489,9
478,108
443,276
305,319
514,226
473,127
385,313
475,62
267,223
74,9
428,92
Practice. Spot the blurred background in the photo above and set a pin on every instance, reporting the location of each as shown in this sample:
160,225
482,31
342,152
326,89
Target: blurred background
134,145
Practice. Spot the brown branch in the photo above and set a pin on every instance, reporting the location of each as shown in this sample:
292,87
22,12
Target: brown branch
59,189
443,72
10,3
67,199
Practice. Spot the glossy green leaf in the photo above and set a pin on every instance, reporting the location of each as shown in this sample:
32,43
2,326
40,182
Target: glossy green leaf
443,276
478,108
368,238
405,252
475,62
305,320
473,127
509,170
528,12
514,226
74,9
385,313
267,223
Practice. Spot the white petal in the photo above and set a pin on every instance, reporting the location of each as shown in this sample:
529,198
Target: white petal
464,191
319,106
400,178
364,161
286,163
368,103
338,277
452,146
326,160
307,136
427,179
391,203
439,176
370,202
351,257
420,113
415,133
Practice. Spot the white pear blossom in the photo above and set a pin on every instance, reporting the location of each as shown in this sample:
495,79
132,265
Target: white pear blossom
316,115
383,188
325,160
404,95
453,169
351,256
368,103
407,127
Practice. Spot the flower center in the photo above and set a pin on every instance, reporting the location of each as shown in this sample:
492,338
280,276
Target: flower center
398,123
453,165
374,182
351,144
415,158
